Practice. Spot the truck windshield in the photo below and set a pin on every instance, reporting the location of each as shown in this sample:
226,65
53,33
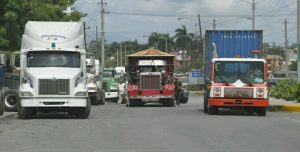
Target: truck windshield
151,68
53,59
108,74
246,71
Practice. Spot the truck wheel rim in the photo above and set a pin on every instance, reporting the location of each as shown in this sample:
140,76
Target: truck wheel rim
10,100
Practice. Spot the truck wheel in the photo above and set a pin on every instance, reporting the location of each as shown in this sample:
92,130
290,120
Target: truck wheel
1,103
84,113
11,99
131,103
24,112
261,111
171,102
94,100
205,103
212,110
115,100
102,98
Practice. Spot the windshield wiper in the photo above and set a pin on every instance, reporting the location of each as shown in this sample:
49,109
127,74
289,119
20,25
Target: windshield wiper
221,78
245,79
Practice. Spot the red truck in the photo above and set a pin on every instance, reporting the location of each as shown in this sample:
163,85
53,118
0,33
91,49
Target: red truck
236,81
150,78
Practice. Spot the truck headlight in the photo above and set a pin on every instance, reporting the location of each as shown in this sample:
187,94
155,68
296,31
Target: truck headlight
92,88
260,90
217,89
166,87
26,93
82,94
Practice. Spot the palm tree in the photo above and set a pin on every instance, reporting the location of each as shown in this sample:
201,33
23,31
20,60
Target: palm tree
159,41
183,39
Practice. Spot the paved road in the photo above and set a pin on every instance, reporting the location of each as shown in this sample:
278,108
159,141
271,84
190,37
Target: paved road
116,128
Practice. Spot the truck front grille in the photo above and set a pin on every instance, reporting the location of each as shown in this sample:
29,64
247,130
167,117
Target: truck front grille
238,92
150,82
54,87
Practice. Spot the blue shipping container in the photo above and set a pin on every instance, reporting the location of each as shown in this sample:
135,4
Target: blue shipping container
231,43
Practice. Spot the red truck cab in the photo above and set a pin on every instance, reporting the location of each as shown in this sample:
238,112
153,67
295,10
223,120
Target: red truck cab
237,83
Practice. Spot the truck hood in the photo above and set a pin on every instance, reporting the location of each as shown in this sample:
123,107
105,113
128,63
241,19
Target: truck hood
50,73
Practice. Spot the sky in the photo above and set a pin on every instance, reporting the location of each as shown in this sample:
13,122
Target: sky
137,19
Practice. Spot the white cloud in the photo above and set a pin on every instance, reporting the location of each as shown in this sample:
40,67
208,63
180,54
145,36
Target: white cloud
128,27
219,6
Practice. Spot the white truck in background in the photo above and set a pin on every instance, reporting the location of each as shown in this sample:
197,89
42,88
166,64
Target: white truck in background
120,73
53,69
95,91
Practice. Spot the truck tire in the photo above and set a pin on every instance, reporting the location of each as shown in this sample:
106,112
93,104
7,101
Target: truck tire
132,103
115,100
213,110
99,99
171,102
94,100
11,99
1,102
102,97
262,111
24,112
205,102
84,113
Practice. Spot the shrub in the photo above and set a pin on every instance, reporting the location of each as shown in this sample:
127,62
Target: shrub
285,89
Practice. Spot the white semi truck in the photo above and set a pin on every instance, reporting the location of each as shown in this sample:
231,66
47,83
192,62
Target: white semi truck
53,69
95,91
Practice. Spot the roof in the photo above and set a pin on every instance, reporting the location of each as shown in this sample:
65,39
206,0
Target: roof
238,59
150,52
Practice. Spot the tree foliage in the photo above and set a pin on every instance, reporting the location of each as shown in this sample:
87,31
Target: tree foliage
15,13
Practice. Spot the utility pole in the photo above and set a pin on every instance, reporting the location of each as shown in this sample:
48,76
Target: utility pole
121,64
96,52
253,15
85,28
117,57
201,42
125,54
200,29
166,47
96,33
214,24
298,38
102,35
286,49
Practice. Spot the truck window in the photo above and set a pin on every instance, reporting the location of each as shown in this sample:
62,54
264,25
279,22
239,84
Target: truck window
53,59
108,74
231,71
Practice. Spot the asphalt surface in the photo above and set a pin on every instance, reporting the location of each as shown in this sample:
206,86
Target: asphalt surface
116,128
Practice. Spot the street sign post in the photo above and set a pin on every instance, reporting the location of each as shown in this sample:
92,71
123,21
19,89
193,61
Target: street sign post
196,74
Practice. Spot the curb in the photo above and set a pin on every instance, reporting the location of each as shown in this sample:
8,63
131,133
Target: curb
285,108
7,115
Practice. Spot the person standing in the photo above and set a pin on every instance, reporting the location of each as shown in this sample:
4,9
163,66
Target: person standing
121,92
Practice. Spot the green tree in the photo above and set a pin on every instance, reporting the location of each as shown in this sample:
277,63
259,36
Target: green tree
3,41
19,12
158,41
183,39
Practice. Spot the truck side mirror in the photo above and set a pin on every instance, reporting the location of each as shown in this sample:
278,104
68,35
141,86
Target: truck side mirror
205,77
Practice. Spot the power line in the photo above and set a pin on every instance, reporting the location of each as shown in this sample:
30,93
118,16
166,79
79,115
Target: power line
189,16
